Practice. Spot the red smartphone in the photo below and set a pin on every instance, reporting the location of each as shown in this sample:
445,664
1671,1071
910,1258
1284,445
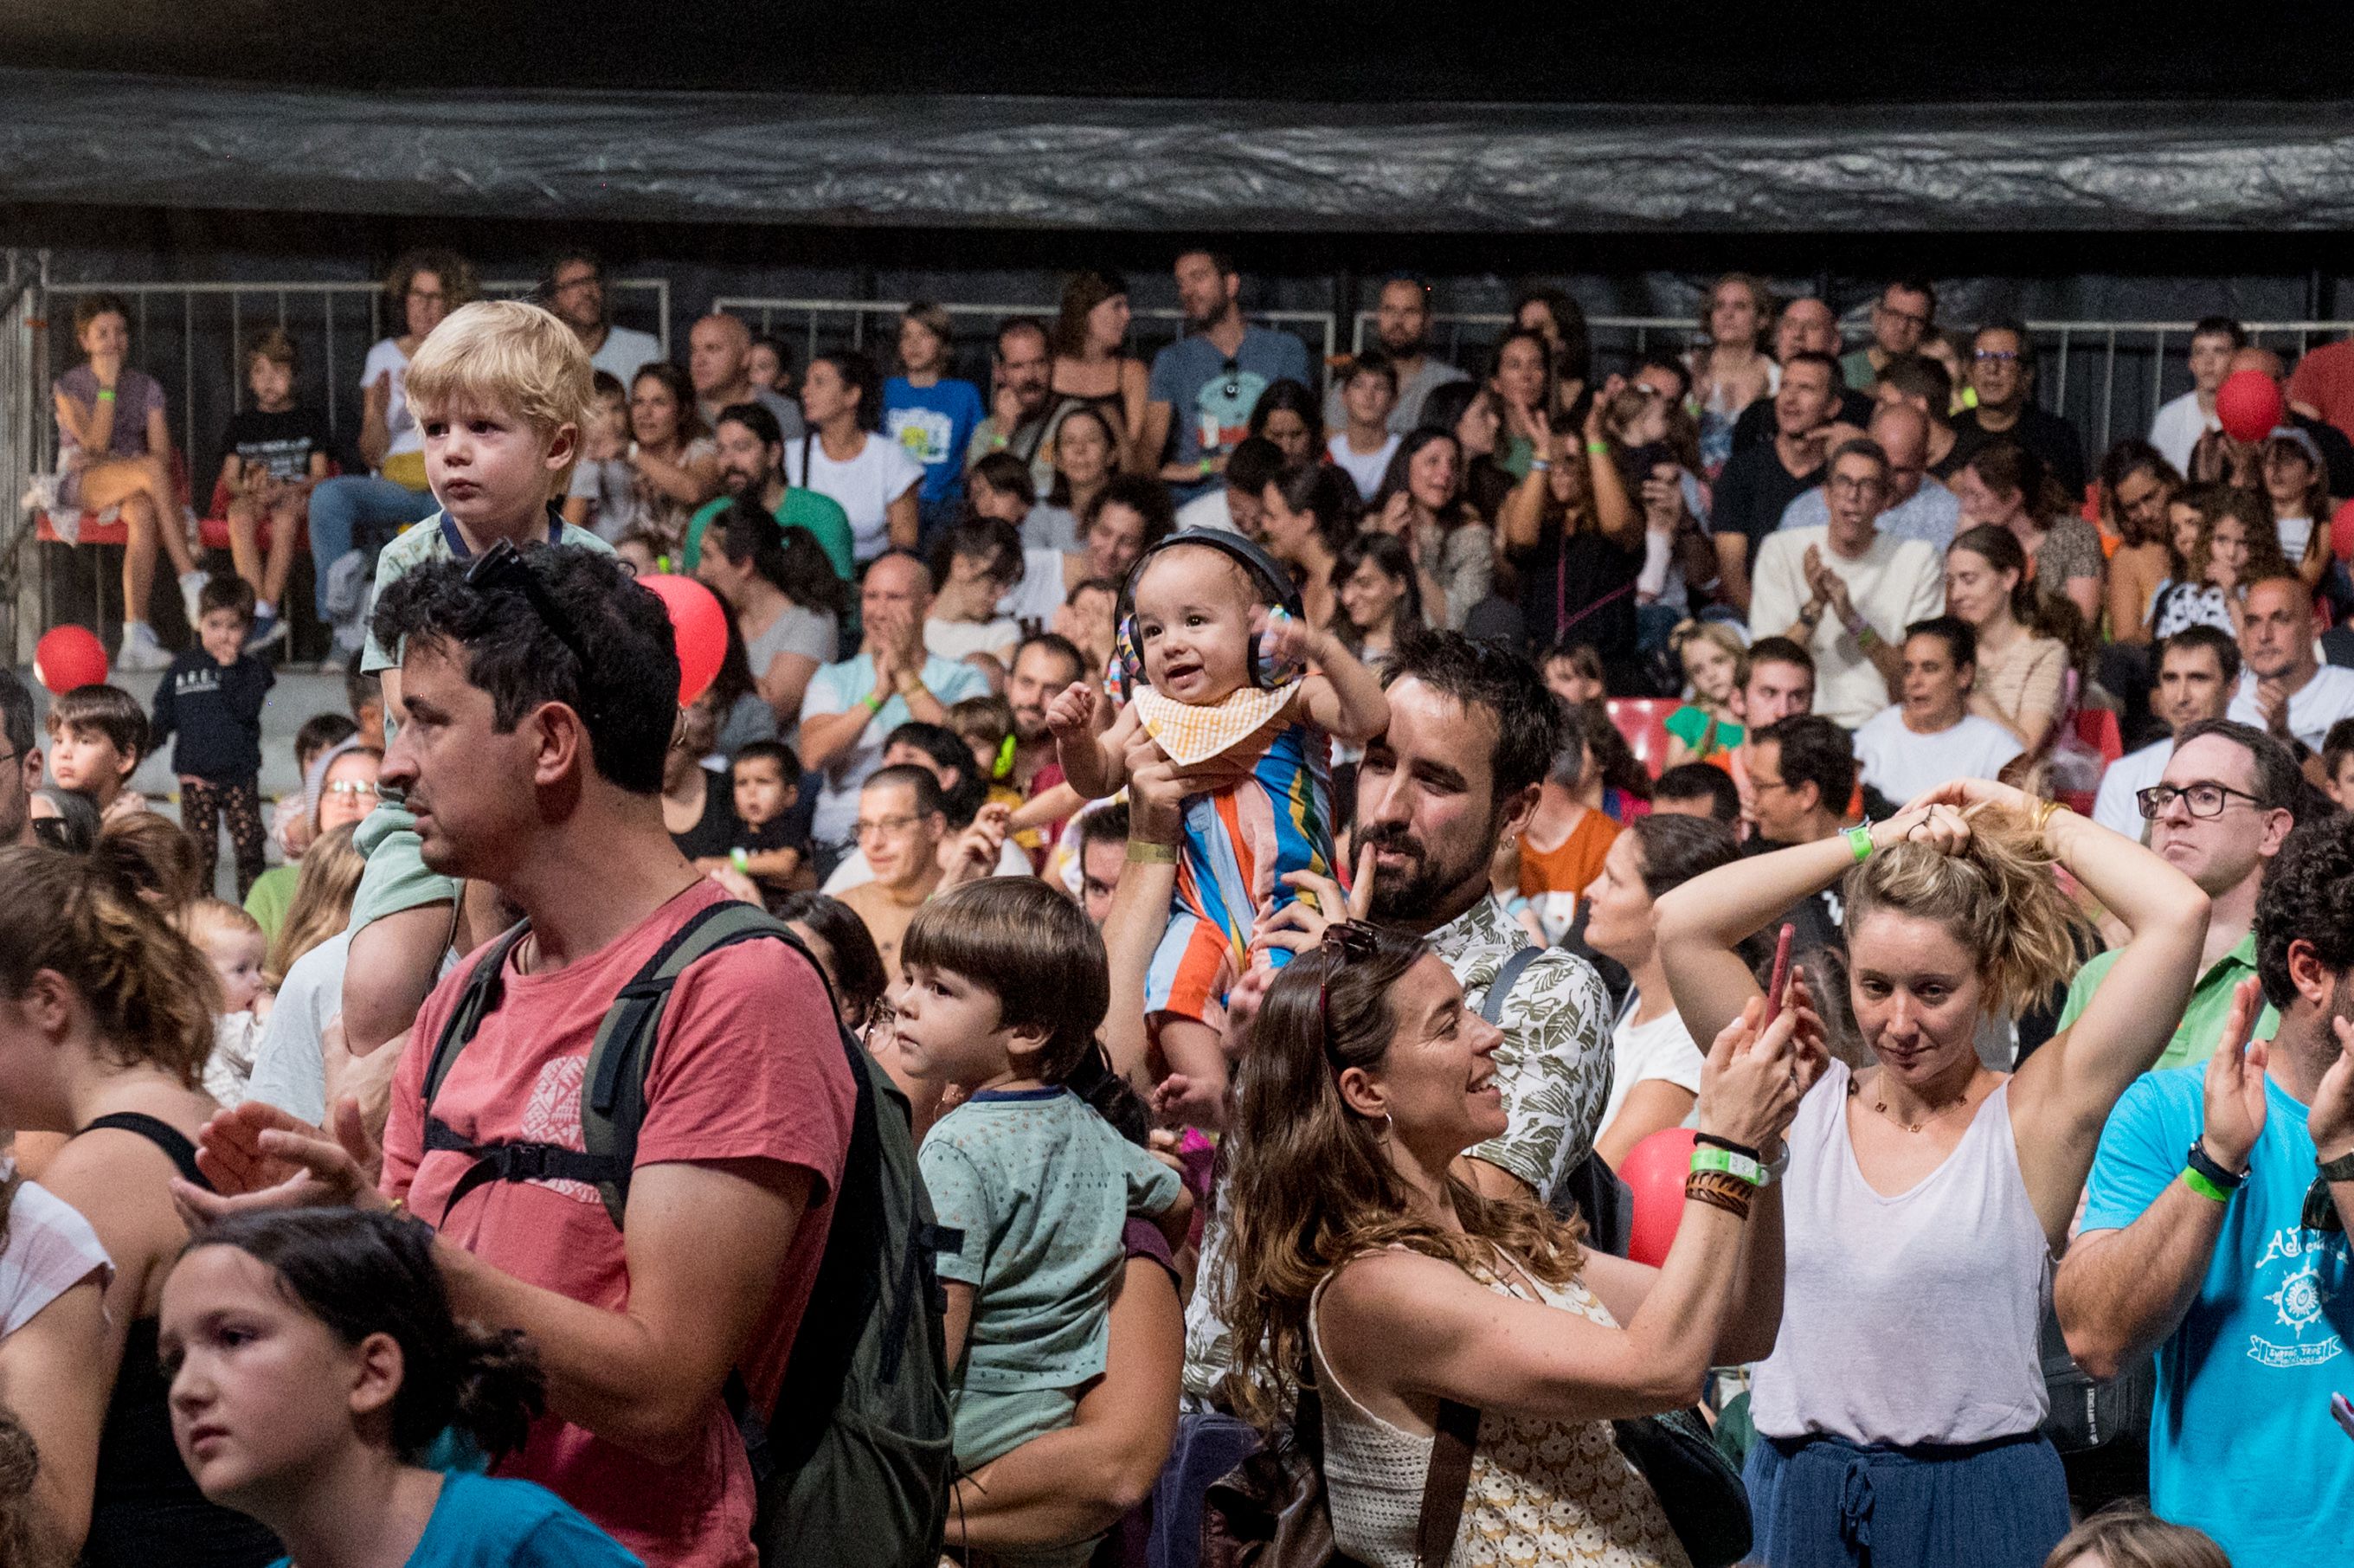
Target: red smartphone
1781,982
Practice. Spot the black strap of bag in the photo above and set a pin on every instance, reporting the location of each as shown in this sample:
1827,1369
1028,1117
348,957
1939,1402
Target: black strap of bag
1447,1485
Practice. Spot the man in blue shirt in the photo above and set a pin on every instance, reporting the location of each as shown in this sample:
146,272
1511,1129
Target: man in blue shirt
1205,384
2214,1232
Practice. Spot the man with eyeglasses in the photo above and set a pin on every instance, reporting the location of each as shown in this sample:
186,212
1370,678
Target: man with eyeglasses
902,822
1902,317
2219,815
1205,385
575,292
1845,591
1915,506
20,770
2002,374
1801,782
2214,1235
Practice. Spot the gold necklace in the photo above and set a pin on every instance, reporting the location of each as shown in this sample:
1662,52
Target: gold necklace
1880,1106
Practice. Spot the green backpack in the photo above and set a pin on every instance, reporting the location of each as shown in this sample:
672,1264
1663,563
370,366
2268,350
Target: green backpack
852,1460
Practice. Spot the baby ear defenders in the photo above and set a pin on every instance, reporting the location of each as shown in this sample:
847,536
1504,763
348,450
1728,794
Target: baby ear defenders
1266,668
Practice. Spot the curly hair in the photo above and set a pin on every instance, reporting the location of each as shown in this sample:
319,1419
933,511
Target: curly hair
1310,1186
2307,896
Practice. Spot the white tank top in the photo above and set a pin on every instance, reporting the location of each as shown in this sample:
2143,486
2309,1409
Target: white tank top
1910,1318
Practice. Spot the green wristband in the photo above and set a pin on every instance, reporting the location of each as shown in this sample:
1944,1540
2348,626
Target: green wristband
873,701
1732,1164
1858,841
2198,1183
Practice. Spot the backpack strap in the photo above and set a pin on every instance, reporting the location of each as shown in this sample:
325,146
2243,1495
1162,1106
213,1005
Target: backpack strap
1448,1481
1499,989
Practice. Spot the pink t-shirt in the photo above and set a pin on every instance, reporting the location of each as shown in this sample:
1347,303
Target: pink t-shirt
749,1067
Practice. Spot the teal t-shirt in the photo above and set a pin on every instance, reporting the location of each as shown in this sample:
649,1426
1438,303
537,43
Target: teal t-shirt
2242,1444
479,1522
821,515
2202,1016
1692,724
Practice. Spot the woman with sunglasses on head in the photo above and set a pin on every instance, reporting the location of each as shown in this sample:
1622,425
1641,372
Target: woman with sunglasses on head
1928,1195
1357,1260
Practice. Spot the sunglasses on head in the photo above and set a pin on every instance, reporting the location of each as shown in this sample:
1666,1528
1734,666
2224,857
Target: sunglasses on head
502,565
1347,941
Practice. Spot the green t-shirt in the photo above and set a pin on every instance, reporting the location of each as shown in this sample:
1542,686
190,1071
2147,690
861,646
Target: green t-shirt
270,896
437,539
1690,724
822,516
2202,1017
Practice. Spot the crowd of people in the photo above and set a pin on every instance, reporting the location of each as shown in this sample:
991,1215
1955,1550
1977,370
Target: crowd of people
1209,954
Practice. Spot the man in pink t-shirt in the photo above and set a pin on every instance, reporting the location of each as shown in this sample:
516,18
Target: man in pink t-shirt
749,1098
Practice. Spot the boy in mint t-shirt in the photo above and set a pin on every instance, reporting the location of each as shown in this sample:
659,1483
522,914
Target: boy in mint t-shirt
498,390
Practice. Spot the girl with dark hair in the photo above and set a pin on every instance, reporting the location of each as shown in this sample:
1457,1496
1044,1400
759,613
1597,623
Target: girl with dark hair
1309,512
1521,377
2138,487
837,939
1288,413
1090,369
1421,501
314,1361
673,463
2230,544
785,600
2022,667
873,480
2007,486
1553,312
109,1024
1380,593
1474,415
2297,493
1576,539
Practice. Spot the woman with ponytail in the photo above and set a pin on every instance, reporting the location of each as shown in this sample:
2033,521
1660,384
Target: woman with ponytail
1928,1194
314,1361
106,1020
2007,486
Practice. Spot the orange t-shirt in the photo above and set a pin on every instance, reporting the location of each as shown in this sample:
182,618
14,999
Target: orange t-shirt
1571,865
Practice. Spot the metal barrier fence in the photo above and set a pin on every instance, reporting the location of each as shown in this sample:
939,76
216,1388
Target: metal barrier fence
21,421
2109,376
819,324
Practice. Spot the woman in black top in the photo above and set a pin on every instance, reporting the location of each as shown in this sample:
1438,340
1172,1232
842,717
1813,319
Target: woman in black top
111,1027
699,803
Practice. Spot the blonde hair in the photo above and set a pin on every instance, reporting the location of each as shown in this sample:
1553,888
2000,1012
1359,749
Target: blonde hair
2127,1535
209,917
1718,632
322,906
2000,898
503,354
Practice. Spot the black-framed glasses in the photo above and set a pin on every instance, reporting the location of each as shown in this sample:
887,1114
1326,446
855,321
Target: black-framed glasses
2320,1211
2204,798
1347,941
502,565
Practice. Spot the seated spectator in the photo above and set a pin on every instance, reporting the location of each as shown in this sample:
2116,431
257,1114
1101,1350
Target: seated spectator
98,738
601,497
1520,375
1916,506
1085,451
931,415
1557,317
837,940
2175,429
902,823
233,943
1697,790
2230,543
764,780
1401,333
2284,689
1021,409
115,454
576,293
339,790
1780,684
2296,494
1286,414
1731,368
2231,1261
698,800
1311,511
2005,485
998,485
1801,777
1657,452
770,363
1103,857
1716,665
353,515
1929,735
1757,485
1237,507
2002,374
1567,837
874,481
674,463
786,602
1381,597
1363,446
1921,382
1846,591
1804,326
2022,665
751,459
2337,753
976,564
2198,670
322,905
1203,386
1905,312
1092,368
965,791
720,366
290,814
1475,417
1655,1066
1085,619
271,456
1572,671
2137,489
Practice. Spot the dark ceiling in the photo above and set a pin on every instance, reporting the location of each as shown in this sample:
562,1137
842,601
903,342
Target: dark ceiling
1698,52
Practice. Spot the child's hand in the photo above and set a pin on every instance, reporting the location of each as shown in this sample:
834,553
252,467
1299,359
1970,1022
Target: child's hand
738,886
1243,999
973,853
1071,717
1289,639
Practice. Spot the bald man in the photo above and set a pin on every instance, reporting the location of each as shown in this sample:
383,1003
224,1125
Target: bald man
1914,506
2284,689
2218,456
718,362
1804,326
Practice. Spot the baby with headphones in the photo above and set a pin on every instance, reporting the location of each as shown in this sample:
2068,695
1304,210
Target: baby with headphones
1219,663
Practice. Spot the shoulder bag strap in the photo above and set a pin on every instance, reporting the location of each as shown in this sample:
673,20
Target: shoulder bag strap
1446,1483
1499,989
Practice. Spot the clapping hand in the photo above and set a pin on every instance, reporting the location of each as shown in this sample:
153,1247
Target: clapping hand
260,1158
2234,1086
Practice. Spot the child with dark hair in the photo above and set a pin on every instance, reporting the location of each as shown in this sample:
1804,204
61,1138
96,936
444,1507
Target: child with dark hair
97,737
765,776
211,697
1007,984
314,1361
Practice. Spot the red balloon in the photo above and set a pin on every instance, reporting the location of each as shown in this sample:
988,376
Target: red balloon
1654,1171
68,656
699,623
2248,405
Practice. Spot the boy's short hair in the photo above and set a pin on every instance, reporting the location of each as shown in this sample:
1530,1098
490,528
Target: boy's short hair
16,713
2216,641
1918,376
226,590
321,731
1701,782
1817,752
604,387
990,539
1374,363
1105,825
929,800
1032,948
981,718
273,344
1008,475
110,710
789,766
2337,745
503,354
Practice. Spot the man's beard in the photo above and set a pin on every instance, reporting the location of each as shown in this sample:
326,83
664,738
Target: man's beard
1029,731
1409,897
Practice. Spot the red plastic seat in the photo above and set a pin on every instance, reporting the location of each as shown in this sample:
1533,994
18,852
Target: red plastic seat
1643,721
212,531
93,531
2097,728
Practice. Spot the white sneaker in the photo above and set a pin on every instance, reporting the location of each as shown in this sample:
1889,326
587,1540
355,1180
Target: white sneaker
140,650
192,584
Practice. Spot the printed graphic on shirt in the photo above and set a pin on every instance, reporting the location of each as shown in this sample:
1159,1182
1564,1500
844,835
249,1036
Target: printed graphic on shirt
1222,410
552,1115
925,434
2289,1275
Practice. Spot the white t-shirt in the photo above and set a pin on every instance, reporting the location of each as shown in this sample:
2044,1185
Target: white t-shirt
2176,430
399,422
864,486
955,639
1209,510
2114,807
2311,707
1365,468
1900,762
1039,594
1896,583
1660,1049
625,352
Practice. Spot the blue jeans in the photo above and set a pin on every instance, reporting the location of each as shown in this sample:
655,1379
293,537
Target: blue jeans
341,506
